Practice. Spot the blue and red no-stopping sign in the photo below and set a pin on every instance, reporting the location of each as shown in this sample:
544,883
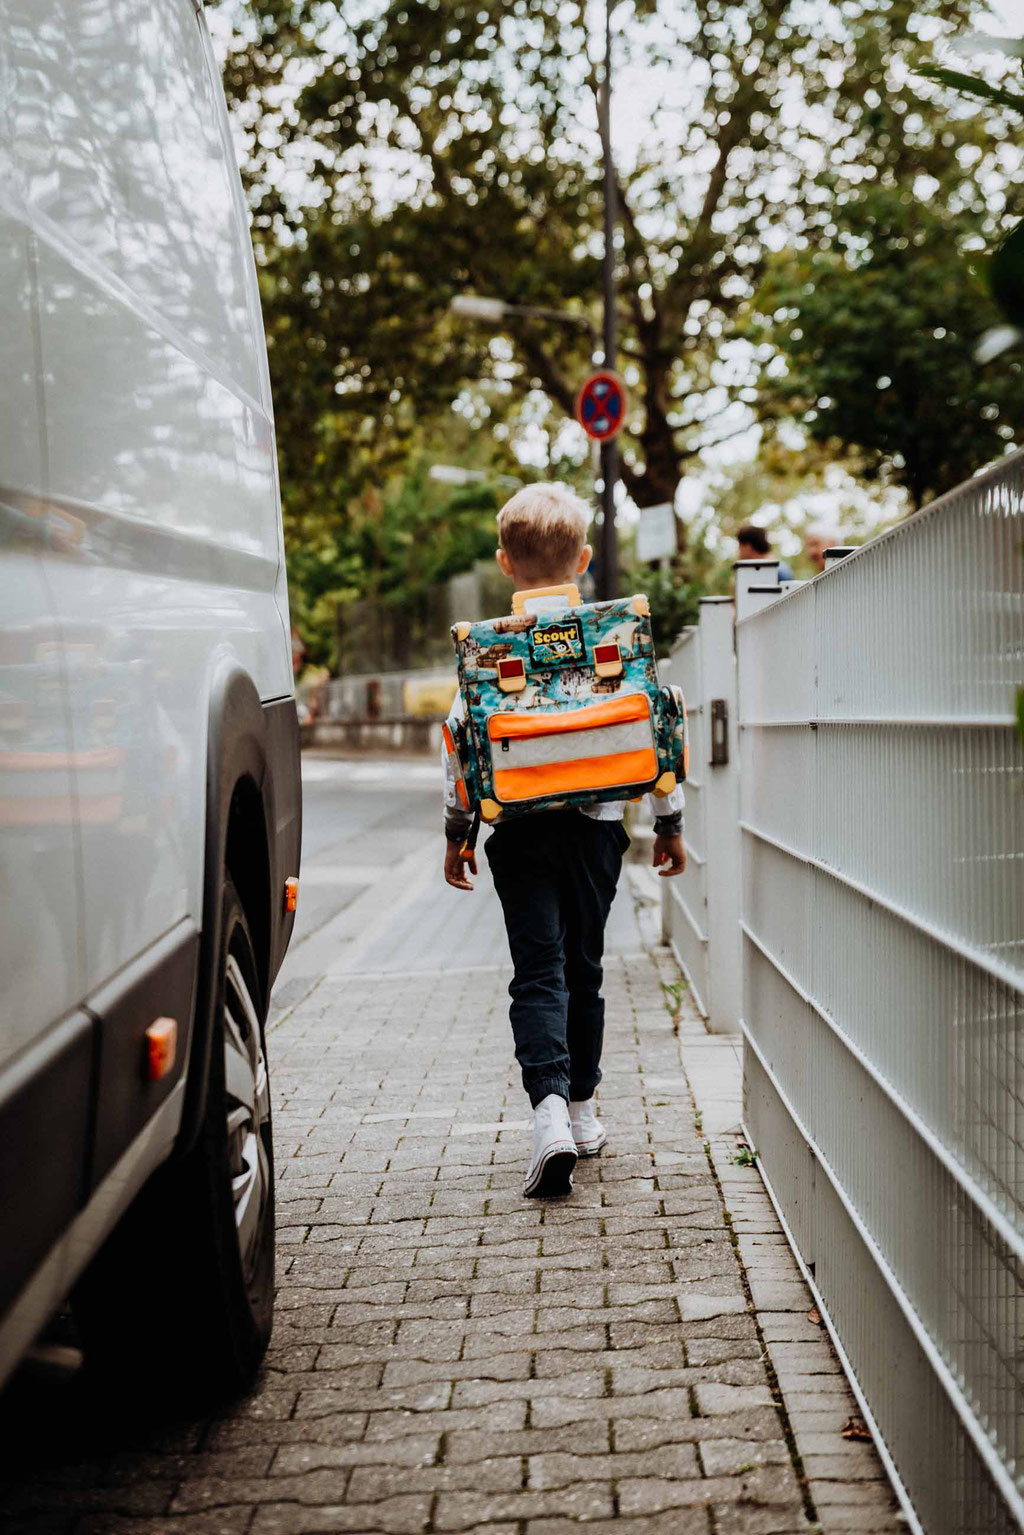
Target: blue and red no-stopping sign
601,406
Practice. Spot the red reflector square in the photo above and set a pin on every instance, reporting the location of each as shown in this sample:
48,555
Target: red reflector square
604,653
514,667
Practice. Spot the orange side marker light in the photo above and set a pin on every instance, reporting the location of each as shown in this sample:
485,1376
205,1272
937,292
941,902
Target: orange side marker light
161,1047
291,893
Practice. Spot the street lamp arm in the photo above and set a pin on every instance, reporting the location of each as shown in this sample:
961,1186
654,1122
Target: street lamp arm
475,306
564,316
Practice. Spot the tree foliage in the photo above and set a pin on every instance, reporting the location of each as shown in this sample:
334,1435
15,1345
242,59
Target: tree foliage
879,330
449,147
400,152
880,350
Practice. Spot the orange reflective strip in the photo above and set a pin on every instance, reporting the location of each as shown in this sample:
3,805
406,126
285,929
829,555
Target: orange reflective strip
446,736
512,784
36,812
616,711
33,762
463,793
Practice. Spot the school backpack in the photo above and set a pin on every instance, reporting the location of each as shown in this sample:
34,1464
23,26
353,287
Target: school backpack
563,707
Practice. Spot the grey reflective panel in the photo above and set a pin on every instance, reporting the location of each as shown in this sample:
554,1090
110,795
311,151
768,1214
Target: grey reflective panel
136,447
573,745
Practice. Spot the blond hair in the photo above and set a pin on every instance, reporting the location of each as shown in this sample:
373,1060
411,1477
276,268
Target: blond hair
544,525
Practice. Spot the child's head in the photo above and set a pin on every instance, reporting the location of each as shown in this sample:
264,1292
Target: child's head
542,536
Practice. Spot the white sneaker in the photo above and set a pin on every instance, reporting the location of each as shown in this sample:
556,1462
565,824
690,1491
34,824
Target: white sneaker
588,1132
554,1151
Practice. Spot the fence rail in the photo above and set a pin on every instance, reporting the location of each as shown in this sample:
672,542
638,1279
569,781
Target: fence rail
882,818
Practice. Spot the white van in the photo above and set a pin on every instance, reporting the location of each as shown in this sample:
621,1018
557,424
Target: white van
149,764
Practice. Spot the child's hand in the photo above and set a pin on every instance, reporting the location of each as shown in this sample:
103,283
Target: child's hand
669,850
455,866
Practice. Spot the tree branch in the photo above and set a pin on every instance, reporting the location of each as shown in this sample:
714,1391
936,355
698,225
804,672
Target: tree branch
701,447
554,382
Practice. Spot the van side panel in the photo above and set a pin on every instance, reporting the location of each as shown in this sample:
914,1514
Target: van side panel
40,969
44,1128
118,134
47,1046
139,502
158,444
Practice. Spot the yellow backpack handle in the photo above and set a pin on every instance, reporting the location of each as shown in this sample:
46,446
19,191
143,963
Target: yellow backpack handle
571,593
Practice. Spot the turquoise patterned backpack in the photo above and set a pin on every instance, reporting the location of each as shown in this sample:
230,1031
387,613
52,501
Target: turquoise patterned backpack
563,707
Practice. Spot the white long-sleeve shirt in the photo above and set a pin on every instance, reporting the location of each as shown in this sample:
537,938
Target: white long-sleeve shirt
458,821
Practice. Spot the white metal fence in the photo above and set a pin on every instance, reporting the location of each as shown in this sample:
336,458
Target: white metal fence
882,816
700,911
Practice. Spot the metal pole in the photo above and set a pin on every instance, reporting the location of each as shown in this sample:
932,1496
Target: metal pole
608,572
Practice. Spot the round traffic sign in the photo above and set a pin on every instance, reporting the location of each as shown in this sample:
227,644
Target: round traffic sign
601,405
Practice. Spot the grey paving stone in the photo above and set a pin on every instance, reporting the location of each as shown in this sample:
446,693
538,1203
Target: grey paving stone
713,1398
675,1522
394,1516
451,1357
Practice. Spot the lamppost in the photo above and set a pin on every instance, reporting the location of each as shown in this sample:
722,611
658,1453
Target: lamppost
609,562
474,306
454,474
494,310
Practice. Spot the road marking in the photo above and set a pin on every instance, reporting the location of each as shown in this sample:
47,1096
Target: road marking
373,915
338,874
380,1119
501,1124
456,1126
449,971
319,771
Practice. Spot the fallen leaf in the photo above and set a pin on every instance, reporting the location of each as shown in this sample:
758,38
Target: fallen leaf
856,1428
814,1315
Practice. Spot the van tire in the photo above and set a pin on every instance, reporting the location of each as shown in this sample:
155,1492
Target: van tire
178,1304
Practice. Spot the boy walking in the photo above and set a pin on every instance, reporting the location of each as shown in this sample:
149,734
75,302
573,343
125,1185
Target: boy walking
556,872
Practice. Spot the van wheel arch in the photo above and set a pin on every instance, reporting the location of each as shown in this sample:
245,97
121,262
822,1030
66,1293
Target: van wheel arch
236,846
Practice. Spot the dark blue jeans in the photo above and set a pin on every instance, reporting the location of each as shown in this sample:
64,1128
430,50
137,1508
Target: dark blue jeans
555,873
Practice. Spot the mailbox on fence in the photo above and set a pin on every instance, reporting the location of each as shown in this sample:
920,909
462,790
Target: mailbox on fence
719,733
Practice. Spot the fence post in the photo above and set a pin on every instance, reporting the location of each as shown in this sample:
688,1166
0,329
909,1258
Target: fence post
720,773
757,583
684,898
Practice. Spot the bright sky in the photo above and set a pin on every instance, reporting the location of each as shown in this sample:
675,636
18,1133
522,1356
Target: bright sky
1007,17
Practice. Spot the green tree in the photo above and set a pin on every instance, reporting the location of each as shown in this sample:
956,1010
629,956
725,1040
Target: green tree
1004,271
403,153
873,334
879,345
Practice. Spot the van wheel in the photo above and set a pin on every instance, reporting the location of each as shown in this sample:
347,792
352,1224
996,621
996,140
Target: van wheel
179,1301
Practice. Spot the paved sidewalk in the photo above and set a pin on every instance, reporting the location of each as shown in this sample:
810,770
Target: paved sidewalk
451,1357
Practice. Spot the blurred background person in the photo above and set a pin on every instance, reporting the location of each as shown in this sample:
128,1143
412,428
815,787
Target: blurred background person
819,537
752,543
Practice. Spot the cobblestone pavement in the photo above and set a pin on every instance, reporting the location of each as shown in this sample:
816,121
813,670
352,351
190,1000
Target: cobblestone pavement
451,1357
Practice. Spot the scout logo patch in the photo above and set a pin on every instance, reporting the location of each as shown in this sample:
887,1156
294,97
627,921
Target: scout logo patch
555,642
